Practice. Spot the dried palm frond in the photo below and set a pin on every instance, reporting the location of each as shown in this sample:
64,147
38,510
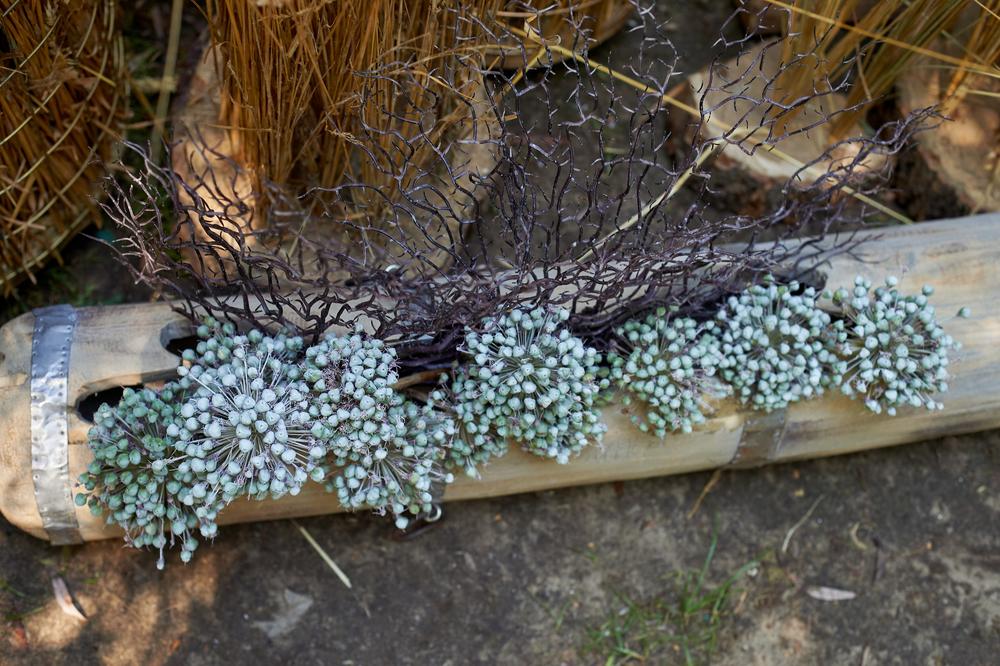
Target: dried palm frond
61,103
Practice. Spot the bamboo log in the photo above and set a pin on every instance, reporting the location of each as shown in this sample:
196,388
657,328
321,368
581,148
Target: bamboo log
125,345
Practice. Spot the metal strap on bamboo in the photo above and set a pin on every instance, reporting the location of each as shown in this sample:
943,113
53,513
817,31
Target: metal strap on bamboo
51,342
761,439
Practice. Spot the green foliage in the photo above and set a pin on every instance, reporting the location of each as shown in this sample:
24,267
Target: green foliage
680,626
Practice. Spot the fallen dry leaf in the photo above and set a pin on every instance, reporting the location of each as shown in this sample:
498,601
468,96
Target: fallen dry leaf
19,637
829,593
65,600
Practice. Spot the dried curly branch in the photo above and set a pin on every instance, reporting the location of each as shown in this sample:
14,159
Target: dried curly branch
560,186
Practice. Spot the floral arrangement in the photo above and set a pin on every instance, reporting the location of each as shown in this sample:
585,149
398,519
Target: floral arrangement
259,416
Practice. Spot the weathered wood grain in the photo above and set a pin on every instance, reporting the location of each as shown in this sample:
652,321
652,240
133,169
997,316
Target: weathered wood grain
122,345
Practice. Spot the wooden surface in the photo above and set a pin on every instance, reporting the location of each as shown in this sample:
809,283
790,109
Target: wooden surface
122,345
962,151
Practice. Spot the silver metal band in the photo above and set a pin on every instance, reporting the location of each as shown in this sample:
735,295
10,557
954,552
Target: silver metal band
50,346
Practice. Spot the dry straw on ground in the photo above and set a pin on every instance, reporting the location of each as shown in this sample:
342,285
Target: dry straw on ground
61,102
306,113
940,53
965,152
337,107
565,23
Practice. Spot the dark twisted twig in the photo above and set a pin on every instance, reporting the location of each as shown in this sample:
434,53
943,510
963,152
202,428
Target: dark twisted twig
568,211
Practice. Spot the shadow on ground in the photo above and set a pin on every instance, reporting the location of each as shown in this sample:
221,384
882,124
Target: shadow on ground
914,532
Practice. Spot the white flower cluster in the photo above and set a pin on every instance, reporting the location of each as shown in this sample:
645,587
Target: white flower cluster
528,380
667,364
140,478
350,379
473,441
214,346
442,423
398,475
894,351
388,459
251,415
776,345
247,427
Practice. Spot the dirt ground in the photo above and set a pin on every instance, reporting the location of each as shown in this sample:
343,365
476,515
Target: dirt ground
911,535
913,532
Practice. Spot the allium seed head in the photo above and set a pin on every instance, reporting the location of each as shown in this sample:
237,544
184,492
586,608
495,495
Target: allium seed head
398,476
668,365
528,381
894,351
248,419
140,478
776,345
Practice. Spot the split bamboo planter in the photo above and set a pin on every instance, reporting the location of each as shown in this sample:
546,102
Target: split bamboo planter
126,345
